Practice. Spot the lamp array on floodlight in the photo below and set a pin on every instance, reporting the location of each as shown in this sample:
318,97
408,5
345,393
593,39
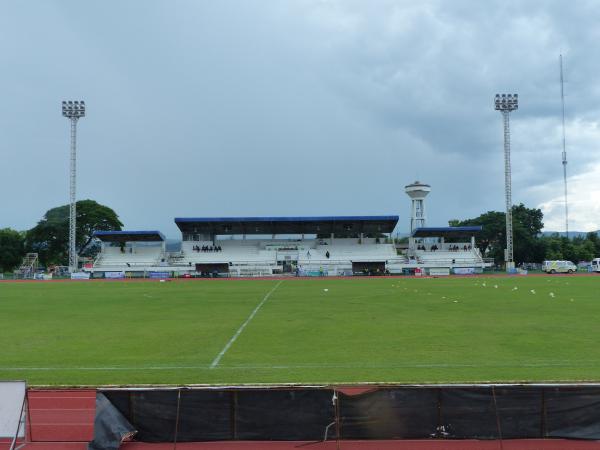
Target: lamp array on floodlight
73,109
507,102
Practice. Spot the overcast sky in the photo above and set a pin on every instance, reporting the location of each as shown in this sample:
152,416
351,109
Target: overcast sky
308,107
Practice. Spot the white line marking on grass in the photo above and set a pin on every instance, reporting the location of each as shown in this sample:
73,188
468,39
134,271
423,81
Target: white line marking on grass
216,361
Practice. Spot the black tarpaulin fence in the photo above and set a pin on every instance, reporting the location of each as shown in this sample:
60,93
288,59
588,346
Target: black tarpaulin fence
387,412
194,415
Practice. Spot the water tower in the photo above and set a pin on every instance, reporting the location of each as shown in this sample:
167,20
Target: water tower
417,192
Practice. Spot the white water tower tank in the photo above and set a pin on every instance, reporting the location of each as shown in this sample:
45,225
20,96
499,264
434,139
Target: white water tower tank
417,192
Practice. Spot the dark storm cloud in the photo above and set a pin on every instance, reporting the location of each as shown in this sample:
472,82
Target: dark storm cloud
293,108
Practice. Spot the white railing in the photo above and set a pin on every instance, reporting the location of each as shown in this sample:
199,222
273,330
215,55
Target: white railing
448,263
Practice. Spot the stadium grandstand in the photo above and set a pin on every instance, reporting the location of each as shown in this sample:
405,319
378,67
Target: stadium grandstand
452,247
135,251
302,246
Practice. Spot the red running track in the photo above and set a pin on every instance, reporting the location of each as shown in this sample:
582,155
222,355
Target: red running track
61,415
530,444
48,446
59,420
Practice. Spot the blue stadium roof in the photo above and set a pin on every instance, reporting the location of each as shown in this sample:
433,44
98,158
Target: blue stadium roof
446,231
339,225
129,236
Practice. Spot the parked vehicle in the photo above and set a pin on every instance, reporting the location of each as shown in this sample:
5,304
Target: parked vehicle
595,265
559,267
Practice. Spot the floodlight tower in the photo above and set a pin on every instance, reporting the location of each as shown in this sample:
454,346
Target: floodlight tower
564,146
73,110
417,192
506,103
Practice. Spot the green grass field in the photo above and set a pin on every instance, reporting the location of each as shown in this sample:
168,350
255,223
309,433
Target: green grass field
306,331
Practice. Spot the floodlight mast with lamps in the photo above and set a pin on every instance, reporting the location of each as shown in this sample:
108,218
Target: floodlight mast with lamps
564,146
506,103
73,110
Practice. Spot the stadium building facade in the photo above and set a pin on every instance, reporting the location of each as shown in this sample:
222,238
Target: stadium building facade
302,246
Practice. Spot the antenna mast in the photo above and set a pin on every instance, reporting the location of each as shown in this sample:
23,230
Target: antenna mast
564,145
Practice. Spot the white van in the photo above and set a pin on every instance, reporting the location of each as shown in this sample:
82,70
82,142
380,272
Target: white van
559,267
596,265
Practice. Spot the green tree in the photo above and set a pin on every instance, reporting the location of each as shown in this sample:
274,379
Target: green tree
50,237
12,249
527,225
592,237
586,251
579,248
554,247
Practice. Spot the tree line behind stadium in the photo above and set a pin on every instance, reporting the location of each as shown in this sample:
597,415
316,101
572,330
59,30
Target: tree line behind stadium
50,236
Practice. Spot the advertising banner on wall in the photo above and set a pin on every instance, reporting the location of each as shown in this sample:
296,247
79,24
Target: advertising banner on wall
464,270
159,274
114,275
42,276
439,271
80,276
